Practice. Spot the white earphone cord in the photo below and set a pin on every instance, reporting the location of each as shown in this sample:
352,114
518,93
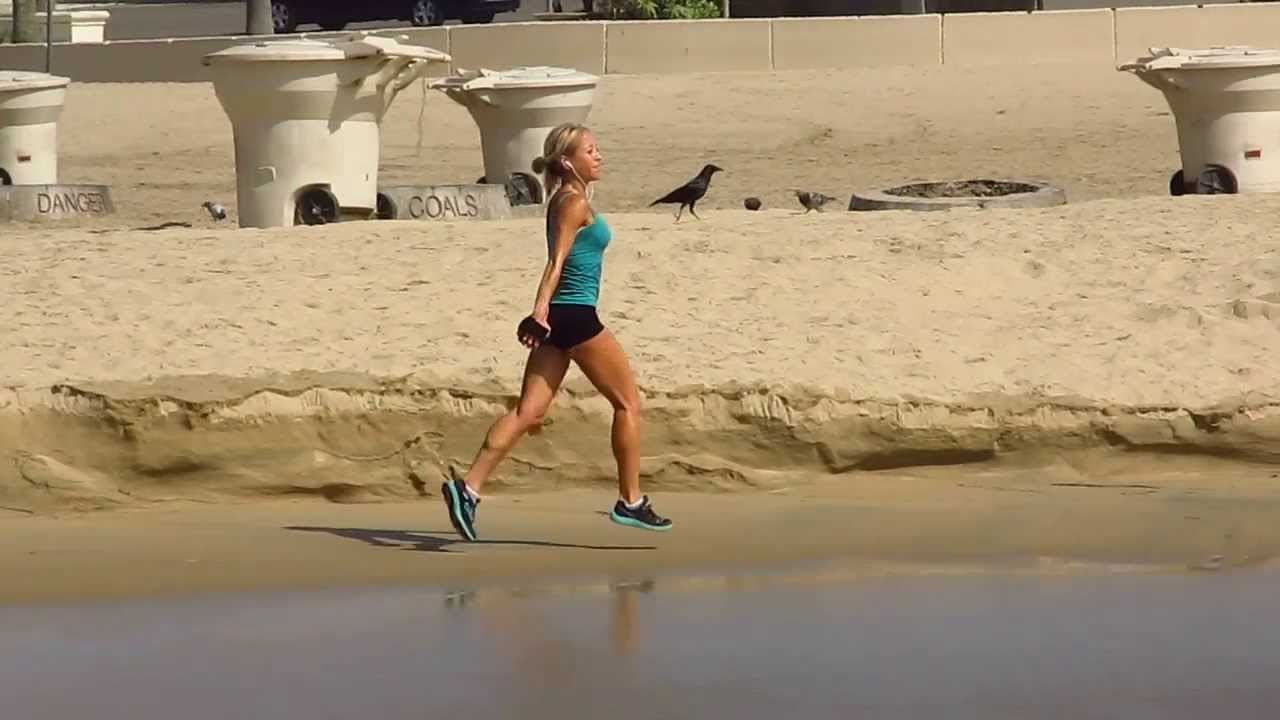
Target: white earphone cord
585,184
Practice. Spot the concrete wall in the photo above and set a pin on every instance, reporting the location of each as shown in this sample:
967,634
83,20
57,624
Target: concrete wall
178,60
998,38
822,8
671,46
1104,37
806,43
134,61
1138,29
579,45
1112,4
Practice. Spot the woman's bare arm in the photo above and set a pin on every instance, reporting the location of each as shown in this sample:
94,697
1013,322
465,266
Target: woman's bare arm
573,214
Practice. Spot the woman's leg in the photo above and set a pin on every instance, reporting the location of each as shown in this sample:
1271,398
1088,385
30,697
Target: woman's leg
605,364
543,374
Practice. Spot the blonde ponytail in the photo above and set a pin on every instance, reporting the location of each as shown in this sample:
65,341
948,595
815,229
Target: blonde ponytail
561,142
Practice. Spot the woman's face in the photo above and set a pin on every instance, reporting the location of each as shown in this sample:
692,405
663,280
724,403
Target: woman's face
586,158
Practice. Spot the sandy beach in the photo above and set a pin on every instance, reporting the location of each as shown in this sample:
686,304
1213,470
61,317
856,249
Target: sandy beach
1094,132
791,365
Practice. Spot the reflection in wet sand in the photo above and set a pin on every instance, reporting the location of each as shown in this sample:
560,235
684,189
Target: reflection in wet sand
626,615
788,644
505,615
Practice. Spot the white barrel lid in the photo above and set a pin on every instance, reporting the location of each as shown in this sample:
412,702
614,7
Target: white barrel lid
356,46
301,49
518,77
1231,56
13,80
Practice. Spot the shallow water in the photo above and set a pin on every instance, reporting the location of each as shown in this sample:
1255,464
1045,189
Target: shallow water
1130,646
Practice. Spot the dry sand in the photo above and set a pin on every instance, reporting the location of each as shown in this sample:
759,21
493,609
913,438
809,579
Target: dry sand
775,351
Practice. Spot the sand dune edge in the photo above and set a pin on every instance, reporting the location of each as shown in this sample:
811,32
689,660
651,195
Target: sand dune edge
348,437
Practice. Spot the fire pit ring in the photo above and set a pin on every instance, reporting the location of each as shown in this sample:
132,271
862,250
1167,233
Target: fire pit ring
947,194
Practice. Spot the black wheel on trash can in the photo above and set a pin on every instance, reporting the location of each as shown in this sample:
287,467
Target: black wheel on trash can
523,189
386,208
284,16
316,206
1177,186
1216,180
332,24
426,12
4,178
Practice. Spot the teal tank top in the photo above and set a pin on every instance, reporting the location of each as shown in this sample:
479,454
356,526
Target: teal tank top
580,279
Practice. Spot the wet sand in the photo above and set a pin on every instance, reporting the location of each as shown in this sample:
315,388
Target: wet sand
1154,647
1178,516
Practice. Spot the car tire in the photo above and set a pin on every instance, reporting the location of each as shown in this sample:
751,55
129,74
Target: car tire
426,12
284,16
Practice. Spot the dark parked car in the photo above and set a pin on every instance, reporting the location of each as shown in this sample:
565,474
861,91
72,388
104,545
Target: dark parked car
287,15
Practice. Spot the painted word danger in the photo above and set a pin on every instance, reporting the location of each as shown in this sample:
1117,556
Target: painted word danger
61,203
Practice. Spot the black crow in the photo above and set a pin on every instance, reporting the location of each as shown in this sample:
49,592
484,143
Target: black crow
691,192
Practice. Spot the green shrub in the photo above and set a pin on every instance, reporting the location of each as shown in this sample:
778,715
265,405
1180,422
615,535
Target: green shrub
664,9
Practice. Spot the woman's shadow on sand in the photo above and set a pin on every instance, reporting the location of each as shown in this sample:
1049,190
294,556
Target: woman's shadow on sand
434,541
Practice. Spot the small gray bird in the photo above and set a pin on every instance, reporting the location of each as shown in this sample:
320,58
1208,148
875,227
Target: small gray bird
216,211
812,200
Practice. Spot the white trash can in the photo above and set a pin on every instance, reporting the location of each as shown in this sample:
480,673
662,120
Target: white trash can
30,105
1226,106
514,110
306,116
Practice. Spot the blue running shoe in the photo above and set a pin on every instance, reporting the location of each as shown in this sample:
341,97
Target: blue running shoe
462,507
641,517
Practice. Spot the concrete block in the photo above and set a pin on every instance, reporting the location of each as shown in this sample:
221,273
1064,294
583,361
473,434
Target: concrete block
811,43
506,45
1138,29
448,202
822,8
122,61
998,38
27,57
169,59
673,46
30,203
73,26
1113,4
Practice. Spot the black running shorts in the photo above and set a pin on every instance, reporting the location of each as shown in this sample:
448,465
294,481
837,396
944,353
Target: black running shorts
573,325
